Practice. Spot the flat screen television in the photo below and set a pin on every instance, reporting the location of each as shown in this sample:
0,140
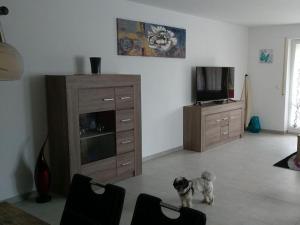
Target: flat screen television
214,83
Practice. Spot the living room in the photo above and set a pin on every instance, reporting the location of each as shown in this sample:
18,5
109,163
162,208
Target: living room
58,37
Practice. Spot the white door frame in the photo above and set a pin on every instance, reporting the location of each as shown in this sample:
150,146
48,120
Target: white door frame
290,64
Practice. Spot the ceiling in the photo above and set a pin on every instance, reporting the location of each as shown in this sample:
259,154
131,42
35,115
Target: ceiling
243,12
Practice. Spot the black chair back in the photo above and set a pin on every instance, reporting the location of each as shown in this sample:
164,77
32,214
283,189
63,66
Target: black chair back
148,212
85,207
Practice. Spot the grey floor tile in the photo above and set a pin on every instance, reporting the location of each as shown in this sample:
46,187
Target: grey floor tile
248,189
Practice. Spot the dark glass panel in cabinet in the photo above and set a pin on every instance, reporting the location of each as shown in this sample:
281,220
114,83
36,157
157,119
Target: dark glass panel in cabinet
96,123
97,136
97,148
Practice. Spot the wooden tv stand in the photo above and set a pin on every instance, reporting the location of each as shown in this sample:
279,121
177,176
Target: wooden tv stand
212,124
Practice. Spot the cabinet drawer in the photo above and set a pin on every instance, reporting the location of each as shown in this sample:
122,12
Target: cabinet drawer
235,124
224,132
212,121
224,118
104,175
124,120
101,170
235,114
125,163
124,98
96,99
125,142
212,136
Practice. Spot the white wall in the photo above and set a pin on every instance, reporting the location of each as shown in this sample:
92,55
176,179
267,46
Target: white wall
267,79
53,35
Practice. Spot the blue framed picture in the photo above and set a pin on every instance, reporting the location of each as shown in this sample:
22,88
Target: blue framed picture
266,56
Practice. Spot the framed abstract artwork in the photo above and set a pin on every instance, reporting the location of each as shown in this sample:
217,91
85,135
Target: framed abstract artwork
147,39
266,55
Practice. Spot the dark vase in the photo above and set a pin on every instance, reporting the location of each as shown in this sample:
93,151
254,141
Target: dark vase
95,65
42,177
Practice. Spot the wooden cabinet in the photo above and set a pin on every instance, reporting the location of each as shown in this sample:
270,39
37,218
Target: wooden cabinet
94,127
210,125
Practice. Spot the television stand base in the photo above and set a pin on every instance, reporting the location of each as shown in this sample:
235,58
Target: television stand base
219,102
213,102
209,125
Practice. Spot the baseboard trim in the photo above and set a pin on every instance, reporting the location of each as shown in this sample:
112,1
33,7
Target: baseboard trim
20,197
293,132
274,131
160,154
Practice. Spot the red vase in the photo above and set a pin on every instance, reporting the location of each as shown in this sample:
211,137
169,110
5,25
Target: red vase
42,177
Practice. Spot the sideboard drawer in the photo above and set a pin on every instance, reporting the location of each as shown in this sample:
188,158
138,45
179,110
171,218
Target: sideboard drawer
101,170
104,175
235,125
212,120
224,118
224,132
125,142
125,163
235,114
212,135
124,98
96,99
125,120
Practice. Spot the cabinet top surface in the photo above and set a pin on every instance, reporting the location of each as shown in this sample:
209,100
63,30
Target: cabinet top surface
79,81
212,105
93,76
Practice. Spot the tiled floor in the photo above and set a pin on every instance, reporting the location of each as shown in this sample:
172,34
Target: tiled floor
248,189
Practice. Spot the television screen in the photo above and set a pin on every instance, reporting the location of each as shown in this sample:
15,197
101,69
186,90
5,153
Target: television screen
214,83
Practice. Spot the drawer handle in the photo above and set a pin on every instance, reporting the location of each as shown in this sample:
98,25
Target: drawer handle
225,133
108,99
126,120
218,120
125,97
225,118
126,142
125,164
